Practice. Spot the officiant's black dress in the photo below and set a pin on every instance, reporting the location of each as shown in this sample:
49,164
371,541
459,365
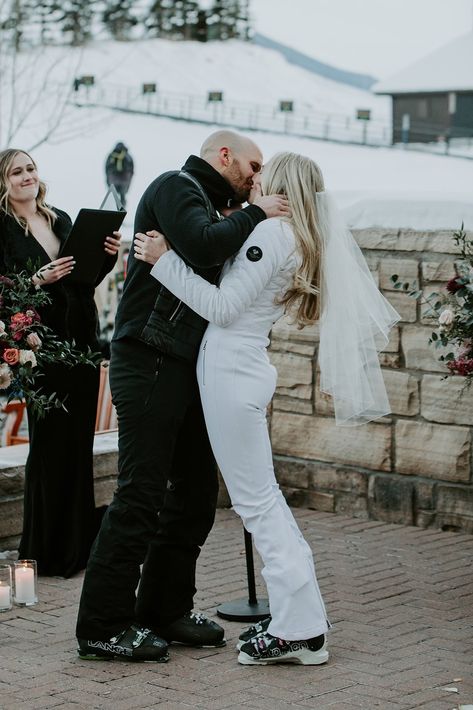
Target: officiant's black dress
60,520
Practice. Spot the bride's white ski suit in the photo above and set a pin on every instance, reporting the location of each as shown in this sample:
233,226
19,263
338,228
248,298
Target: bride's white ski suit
237,382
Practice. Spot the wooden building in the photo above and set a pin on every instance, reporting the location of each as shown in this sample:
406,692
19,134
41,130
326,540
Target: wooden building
433,98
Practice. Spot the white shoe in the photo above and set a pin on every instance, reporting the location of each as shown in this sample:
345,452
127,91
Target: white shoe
264,649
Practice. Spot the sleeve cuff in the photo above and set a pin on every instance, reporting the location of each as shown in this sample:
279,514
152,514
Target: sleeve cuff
160,267
256,213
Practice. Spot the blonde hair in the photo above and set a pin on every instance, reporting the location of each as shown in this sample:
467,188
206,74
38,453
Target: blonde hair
300,178
6,161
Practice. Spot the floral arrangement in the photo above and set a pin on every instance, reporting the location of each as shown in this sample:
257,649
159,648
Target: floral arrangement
453,311
26,344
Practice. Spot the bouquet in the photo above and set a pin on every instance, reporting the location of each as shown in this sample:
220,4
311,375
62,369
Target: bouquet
453,311
26,344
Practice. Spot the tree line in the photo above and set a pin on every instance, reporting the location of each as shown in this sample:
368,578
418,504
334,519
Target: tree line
32,23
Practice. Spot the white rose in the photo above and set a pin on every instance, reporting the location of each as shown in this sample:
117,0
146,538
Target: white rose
28,356
5,376
446,317
2,329
34,341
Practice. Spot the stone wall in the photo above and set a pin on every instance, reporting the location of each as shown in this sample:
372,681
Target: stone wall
413,467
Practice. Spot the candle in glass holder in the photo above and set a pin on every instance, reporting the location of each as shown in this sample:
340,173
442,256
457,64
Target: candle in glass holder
25,582
5,588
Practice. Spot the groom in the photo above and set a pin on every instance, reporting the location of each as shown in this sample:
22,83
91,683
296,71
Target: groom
164,504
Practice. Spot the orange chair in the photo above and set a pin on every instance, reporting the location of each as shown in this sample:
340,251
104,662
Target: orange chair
14,411
105,421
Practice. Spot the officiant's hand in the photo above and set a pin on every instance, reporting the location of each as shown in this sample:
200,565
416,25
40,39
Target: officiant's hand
53,271
112,245
150,246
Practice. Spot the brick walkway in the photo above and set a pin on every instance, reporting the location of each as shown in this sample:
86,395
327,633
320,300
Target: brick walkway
400,599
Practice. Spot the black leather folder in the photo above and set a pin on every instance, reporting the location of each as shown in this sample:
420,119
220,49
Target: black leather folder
86,242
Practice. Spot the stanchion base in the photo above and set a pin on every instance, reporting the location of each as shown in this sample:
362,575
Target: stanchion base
242,610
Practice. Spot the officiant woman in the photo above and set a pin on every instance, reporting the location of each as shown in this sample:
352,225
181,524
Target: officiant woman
60,519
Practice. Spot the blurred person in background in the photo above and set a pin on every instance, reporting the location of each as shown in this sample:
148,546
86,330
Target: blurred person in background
119,168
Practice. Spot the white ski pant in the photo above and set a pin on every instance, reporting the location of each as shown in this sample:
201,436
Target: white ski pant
237,382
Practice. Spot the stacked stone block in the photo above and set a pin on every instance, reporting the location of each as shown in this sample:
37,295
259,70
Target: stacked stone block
413,467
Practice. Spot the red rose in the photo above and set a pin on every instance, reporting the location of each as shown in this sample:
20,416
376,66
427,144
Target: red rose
11,356
461,367
18,324
20,320
453,286
33,314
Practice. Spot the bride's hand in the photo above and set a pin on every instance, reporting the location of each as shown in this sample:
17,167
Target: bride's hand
150,246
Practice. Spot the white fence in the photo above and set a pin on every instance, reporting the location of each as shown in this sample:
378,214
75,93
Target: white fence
329,126
238,114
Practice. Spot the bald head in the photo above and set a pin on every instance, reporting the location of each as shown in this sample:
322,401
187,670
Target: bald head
226,139
235,157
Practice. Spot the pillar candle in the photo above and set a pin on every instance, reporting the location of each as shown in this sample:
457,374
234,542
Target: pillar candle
4,596
24,585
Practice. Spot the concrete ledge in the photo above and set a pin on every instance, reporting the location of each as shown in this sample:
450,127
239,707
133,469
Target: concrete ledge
12,480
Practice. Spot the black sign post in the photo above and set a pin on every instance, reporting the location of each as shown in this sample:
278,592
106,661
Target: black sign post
286,107
364,114
215,98
250,609
87,80
149,88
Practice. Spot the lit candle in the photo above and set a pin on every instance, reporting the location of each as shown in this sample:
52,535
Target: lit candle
24,585
5,601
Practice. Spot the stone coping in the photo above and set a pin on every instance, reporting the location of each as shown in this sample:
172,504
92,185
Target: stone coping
13,456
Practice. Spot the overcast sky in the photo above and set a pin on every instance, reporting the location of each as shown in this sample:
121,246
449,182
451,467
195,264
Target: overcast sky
377,37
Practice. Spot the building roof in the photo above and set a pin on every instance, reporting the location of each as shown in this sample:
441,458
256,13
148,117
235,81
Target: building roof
449,68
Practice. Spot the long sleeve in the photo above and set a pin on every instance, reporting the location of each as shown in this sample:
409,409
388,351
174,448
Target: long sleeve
265,252
182,217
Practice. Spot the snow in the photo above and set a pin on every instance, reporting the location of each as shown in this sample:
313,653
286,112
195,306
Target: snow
408,212
386,187
376,187
447,69
241,70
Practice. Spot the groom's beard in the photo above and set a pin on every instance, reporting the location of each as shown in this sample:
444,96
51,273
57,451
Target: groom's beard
241,185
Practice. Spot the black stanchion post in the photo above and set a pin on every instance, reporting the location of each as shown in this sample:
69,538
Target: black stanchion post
250,609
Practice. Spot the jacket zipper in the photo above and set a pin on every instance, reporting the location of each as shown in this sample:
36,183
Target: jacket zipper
175,311
203,362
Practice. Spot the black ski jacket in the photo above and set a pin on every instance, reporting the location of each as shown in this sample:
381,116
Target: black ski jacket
177,206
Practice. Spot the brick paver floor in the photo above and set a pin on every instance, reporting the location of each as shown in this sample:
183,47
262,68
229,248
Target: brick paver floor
400,600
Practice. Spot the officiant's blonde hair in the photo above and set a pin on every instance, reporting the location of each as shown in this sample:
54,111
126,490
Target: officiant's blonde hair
300,178
6,161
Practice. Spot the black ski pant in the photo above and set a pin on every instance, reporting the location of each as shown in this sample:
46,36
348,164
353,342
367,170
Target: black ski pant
165,501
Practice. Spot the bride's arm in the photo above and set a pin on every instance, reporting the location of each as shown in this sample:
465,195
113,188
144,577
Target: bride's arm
264,253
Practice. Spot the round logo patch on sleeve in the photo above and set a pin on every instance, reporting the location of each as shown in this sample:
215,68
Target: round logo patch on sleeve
254,253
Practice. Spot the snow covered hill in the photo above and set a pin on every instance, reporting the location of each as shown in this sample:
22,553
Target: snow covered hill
241,70
73,160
